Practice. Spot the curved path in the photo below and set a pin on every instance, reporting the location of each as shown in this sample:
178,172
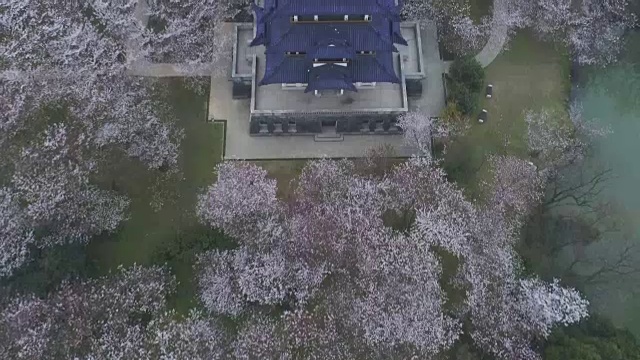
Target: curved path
499,34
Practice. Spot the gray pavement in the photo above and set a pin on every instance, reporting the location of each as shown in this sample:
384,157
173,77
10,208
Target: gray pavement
239,145
432,101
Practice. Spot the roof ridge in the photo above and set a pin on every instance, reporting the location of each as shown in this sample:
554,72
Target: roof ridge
285,4
386,70
272,72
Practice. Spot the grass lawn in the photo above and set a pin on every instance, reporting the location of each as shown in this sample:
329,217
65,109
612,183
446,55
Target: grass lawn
284,171
149,231
139,238
529,75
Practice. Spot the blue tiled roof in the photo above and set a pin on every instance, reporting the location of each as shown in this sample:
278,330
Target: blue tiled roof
328,40
330,7
330,76
261,31
331,50
363,68
298,37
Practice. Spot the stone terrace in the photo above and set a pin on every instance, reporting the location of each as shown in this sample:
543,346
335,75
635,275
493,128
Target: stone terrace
384,96
236,113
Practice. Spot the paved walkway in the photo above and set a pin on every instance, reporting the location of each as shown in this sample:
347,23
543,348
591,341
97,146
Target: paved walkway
432,101
240,145
499,34
145,68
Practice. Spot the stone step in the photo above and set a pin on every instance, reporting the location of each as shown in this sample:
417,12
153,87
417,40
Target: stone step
328,137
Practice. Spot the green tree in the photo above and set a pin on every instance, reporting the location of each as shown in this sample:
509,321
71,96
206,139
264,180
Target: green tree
467,72
595,338
465,100
466,78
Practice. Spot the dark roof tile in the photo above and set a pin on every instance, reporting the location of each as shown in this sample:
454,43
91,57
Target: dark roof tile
328,40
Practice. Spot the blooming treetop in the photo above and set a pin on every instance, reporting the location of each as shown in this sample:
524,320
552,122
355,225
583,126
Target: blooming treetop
120,316
50,201
333,253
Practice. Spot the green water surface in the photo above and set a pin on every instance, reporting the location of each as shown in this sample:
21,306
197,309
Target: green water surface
612,95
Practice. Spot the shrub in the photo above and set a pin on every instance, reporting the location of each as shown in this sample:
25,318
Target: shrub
468,72
466,78
465,100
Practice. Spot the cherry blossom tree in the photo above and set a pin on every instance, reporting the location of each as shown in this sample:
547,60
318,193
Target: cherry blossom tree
77,55
52,181
556,142
120,316
400,277
298,334
593,30
196,336
335,217
50,200
509,312
508,319
65,323
517,185
422,131
453,18
260,340
242,192
193,31
68,61
15,234
418,130
232,279
120,114
339,257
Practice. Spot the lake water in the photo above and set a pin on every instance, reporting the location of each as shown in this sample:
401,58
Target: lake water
612,95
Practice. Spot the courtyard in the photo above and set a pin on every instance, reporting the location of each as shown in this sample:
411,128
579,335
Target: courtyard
235,114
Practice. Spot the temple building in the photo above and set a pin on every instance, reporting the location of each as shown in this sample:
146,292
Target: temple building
326,66
328,44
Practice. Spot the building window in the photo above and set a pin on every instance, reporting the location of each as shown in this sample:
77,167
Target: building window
366,52
330,18
331,61
295,53
302,18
